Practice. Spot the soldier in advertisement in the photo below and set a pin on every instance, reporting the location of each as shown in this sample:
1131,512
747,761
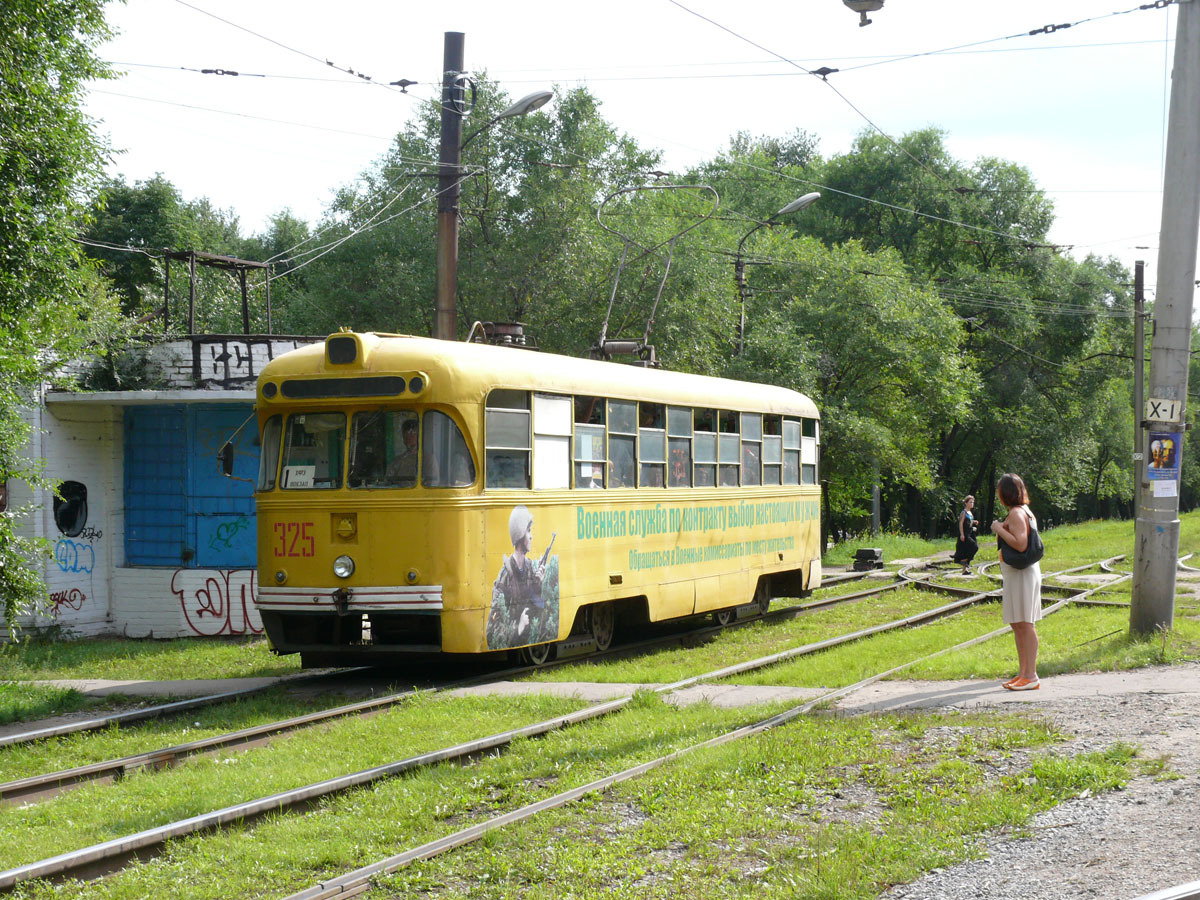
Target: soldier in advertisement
525,593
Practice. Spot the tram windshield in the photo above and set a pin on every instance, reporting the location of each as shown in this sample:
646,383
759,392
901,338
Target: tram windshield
385,448
312,451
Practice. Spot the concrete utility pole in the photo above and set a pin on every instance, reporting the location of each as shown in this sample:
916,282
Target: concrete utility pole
445,324
1139,376
1156,533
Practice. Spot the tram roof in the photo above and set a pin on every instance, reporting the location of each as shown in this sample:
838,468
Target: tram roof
475,369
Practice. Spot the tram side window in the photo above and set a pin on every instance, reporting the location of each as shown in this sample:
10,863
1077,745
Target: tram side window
445,458
728,448
268,461
679,446
751,448
312,451
551,442
704,422
772,450
507,435
808,451
622,443
791,451
591,462
652,448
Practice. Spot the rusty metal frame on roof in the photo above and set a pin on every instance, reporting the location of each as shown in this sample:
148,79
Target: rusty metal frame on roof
228,263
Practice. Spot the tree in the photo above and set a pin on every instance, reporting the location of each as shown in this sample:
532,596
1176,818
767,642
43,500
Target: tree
49,161
529,247
132,225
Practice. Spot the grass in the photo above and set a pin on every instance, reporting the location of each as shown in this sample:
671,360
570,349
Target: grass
754,640
837,808
820,807
82,748
131,660
19,701
144,799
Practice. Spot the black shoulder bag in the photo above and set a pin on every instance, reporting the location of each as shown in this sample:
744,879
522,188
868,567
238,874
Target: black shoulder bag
1023,559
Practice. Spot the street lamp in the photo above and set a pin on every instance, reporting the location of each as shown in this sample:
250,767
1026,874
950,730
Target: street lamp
739,266
450,176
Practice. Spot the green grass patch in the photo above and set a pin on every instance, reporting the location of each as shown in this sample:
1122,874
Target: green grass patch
20,702
97,813
1075,639
837,808
758,639
830,807
284,853
130,660
115,742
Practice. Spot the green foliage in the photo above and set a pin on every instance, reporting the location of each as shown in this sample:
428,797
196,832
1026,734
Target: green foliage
50,309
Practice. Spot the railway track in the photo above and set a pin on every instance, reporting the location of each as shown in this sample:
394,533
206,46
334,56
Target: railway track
112,855
39,787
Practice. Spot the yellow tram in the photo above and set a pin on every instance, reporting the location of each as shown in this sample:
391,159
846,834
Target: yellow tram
418,495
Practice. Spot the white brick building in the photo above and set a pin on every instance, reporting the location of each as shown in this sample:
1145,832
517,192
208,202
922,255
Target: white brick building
149,540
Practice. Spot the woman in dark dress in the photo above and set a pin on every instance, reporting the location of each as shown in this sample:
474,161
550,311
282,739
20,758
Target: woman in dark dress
966,547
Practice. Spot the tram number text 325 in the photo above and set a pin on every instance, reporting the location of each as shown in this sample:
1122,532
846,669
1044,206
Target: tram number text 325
294,539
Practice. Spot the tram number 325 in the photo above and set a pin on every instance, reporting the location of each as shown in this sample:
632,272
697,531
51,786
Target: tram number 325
294,539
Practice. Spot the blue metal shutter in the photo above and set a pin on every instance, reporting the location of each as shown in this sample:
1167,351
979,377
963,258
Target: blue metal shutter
155,472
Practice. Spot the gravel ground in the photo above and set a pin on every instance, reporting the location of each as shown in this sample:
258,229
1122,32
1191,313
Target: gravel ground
1123,844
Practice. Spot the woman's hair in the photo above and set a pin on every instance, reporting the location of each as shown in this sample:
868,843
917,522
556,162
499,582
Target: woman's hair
967,499
1012,490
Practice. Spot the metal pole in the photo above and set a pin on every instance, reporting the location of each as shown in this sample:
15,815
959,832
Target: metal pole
450,156
166,289
739,272
245,300
1156,533
192,293
1139,375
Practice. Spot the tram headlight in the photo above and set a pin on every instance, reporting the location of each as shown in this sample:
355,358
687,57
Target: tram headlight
343,567
280,576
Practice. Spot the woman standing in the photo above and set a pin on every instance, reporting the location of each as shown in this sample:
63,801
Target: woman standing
1022,603
967,546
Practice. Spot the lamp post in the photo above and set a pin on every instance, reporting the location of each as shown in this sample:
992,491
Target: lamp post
450,177
739,265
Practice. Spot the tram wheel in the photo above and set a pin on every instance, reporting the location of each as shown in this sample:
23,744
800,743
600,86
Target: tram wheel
762,596
724,616
536,655
603,621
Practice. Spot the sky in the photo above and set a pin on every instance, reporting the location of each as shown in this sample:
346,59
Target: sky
1083,108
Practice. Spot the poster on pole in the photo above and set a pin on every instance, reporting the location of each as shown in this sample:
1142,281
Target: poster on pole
1165,449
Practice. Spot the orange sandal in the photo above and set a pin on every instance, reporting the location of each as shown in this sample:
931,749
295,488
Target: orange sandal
1023,684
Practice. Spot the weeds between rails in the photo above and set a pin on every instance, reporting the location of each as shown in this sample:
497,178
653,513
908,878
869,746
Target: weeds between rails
92,858
39,787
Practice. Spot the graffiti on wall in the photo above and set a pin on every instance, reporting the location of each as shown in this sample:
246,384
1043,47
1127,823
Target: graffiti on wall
73,556
74,553
72,598
232,361
217,601
225,535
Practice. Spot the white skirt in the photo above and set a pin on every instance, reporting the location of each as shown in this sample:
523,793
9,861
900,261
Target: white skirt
1022,593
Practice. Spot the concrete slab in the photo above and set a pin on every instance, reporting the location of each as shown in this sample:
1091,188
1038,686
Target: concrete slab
99,687
887,696
724,695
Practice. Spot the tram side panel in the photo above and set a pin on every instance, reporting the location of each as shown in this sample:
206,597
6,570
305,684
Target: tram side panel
548,557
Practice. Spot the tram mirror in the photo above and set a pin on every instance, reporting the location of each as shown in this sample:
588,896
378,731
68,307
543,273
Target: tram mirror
226,457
